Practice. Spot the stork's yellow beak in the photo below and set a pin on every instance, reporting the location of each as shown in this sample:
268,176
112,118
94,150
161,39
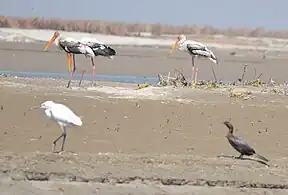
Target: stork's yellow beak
50,42
174,46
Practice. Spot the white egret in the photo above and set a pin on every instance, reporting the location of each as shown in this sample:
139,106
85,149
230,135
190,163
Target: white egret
63,116
194,49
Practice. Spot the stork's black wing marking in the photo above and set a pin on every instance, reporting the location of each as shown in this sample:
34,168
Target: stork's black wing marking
192,47
93,45
101,49
201,53
71,47
198,50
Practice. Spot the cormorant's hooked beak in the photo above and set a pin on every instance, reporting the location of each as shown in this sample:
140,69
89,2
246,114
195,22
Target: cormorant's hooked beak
174,46
53,38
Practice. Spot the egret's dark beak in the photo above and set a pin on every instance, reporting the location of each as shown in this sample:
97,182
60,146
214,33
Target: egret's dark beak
35,107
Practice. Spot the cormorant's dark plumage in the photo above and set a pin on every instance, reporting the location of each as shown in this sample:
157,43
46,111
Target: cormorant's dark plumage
238,144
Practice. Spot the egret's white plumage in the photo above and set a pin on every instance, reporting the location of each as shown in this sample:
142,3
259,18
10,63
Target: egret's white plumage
63,116
195,49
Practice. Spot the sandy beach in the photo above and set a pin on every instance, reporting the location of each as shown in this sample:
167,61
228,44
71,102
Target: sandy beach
148,141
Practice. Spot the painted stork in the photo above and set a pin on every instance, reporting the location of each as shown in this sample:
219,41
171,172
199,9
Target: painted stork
99,49
71,46
195,49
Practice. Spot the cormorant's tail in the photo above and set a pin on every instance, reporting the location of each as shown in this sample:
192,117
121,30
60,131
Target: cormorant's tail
261,157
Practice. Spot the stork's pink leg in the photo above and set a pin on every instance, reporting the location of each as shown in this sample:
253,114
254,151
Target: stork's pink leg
81,79
192,74
72,72
193,70
196,75
93,71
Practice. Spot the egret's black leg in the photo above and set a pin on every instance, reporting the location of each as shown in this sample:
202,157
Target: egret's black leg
64,137
63,143
56,140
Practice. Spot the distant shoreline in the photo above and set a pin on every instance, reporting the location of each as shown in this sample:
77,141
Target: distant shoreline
130,29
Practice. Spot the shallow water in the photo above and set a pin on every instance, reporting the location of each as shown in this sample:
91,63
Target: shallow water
120,79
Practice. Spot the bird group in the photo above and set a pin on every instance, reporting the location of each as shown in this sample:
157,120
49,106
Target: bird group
91,48
88,47
67,118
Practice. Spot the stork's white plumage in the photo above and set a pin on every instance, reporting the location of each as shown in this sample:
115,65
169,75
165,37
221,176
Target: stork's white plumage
63,116
71,46
88,40
195,49
99,49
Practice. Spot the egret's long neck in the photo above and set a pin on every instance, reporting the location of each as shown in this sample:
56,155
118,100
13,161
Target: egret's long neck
48,113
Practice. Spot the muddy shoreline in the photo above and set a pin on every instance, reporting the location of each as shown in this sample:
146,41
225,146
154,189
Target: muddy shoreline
149,141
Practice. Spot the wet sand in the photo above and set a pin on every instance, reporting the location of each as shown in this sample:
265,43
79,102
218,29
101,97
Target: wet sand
153,141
